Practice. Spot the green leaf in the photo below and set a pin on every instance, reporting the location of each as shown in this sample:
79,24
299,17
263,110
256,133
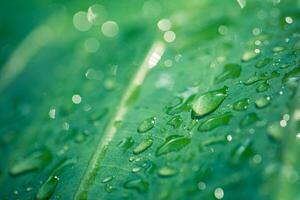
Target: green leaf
150,100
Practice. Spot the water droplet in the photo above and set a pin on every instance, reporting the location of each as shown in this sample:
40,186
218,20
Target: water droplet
33,162
80,137
263,102
262,63
137,184
181,106
107,179
126,143
167,171
48,187
93,74
109,188
146,125
230,71
175,121
76,99
242,152
164,24
262,87
249,55
249,119
173,143
136,169
110,29
277,49
96,14
52,113
80,21
208,102
143,146
241,105
219,193
214,122
169,36
275,131
292,75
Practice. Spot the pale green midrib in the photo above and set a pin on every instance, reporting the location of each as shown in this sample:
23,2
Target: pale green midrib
150,61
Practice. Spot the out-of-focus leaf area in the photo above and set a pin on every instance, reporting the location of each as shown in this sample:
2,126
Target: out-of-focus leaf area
181,99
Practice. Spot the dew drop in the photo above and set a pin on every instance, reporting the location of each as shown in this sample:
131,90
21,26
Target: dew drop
146,125
108,188
137,184
249,55
76,99
143,146
164,24
208,102
173,143
275,131
277,49
262,63
169,36
215,122
241,105
249,119
230,71
167,171
291,75
110,29
48,187
262,87
219,193
32,162
107,179
96,14
80,21
126,143
175,121
263,102
242,152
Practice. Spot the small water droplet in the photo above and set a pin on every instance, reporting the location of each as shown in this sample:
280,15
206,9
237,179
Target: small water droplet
175,121
136,169
263,86
219,193
262,63
241,104
231,71
110,29
242,152
215,122
291,76
146,125
107,179
32,162
263,102
277,49
167,171
96,14
48,187
143,146
126,143
208,102
80,21
137,184
173,143
249,55
275,131
108,188
249,119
